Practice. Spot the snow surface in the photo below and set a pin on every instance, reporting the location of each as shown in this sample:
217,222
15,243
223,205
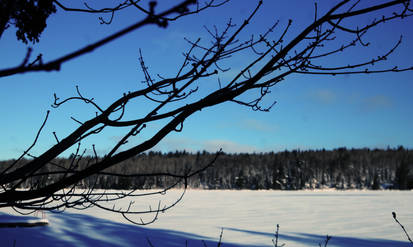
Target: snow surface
353,218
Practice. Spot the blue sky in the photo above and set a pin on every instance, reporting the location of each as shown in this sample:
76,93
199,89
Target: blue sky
312,112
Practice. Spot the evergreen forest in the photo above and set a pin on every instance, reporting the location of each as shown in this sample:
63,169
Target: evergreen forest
340,168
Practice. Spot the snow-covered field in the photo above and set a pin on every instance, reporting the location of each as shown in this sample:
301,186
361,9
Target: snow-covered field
353,218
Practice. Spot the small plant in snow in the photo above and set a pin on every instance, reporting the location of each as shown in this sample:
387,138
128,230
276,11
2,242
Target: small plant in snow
325,241
276,236
407,235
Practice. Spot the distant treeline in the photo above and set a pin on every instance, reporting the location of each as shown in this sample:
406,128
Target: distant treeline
289,170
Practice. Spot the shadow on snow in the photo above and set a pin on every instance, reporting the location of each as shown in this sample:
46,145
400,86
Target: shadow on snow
70,230
335,241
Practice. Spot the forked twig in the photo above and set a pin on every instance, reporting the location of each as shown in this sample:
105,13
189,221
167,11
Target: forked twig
276,237
325,241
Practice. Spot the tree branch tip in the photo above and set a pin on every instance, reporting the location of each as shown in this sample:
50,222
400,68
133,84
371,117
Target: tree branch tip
152,4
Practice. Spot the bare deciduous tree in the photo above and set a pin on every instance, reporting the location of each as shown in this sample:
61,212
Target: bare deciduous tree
174,99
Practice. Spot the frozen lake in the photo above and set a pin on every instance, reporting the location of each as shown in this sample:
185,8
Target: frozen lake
353,218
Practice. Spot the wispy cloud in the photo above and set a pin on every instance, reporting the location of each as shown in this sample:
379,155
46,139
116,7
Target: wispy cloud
178,143
176,37
376,102
324,96
191,145
228,146
257,125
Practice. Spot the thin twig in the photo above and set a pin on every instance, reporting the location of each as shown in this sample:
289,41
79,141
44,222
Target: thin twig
325,241
404,230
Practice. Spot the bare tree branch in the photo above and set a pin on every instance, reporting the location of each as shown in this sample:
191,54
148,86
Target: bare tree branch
159,19
171,100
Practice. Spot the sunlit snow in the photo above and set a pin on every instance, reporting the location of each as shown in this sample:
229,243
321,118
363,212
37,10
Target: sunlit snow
248,218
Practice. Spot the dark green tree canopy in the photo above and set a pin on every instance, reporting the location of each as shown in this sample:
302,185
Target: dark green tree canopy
28,16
